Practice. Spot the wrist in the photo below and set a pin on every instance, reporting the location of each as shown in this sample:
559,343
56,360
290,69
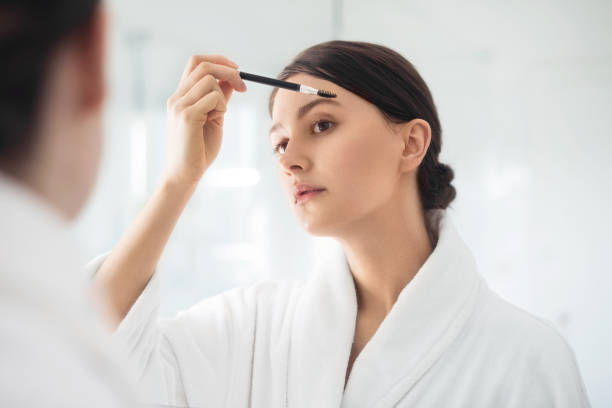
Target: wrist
176,188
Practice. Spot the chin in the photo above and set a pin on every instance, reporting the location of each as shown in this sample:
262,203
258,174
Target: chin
317,227
75,201
316,232
320,220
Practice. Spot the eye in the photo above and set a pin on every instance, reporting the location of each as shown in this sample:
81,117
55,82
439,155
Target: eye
278,146
322,126
319,126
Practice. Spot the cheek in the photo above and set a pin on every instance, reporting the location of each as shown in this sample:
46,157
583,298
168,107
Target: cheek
90,155
365,161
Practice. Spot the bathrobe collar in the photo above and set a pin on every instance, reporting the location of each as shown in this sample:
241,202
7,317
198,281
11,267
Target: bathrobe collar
427,316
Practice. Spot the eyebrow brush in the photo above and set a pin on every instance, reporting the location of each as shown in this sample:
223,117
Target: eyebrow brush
305,89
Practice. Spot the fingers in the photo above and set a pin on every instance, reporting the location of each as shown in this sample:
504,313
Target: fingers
194,60
206,79
220,72
201,88
227,90
190,106
221,67
211,103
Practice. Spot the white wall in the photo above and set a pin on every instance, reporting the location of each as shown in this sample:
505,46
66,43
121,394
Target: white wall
524,92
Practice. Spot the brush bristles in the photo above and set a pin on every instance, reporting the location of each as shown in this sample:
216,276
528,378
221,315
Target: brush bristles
326,94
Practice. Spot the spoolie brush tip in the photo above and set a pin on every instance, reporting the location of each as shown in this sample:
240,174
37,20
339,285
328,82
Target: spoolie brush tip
326,94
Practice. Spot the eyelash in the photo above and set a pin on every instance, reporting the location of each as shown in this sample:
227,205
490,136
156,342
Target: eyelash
278,145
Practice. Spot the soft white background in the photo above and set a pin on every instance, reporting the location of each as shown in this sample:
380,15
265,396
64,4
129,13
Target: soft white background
524,93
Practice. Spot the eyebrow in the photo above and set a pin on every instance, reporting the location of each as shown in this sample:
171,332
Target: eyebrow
306,108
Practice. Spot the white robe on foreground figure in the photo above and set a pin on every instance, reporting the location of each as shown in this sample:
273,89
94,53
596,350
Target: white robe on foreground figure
52,348
449,341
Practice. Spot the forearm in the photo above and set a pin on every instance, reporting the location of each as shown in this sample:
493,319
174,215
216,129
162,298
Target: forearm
128,268
195,119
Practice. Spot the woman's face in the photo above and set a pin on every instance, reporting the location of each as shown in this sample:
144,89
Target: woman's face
344,145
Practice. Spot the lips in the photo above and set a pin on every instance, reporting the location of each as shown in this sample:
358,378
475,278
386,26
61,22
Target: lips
301,189
308,191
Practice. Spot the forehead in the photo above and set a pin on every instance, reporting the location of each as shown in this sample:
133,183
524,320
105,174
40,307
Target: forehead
286,102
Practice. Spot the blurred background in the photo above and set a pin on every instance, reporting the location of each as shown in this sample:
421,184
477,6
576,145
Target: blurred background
524,93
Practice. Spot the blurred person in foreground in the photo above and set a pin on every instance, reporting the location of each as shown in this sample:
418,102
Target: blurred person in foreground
52,90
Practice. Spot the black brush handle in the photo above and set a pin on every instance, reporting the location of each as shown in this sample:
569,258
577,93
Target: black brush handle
269,81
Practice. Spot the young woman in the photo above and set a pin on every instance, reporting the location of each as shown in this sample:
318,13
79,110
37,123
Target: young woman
397,316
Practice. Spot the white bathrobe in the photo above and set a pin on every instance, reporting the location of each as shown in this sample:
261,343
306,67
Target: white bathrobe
52,352
449,341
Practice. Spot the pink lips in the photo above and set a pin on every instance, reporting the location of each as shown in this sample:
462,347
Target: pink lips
302,198
304,192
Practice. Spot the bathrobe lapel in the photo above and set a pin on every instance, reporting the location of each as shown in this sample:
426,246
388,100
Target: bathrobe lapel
322,334
427,316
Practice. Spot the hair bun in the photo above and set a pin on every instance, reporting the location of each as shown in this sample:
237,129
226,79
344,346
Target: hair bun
445,173
444,192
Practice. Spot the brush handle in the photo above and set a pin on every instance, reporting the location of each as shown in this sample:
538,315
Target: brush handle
270,81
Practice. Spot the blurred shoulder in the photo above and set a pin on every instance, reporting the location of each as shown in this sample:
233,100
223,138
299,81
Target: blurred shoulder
531,347
505,320
265,299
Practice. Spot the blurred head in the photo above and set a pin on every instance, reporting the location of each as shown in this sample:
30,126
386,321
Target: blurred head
376,145
52,90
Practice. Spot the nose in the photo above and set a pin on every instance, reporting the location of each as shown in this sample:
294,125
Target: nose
292,160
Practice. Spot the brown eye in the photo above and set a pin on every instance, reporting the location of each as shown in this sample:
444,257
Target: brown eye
281,145
322,126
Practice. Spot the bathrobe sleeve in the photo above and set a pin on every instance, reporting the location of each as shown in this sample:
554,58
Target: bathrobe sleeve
190,359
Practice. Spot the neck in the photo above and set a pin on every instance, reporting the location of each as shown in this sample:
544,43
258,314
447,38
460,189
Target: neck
384,252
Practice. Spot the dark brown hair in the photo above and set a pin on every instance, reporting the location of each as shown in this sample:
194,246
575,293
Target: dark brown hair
387,80
30,31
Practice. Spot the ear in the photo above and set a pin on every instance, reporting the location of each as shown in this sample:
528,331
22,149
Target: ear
415,136
90,48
